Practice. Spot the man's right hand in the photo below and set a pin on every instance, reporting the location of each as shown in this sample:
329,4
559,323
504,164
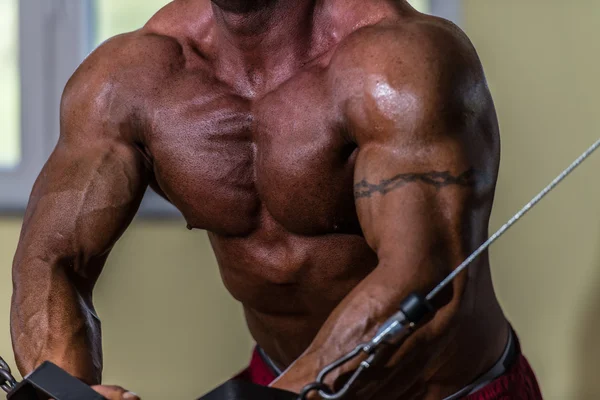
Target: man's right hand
115,393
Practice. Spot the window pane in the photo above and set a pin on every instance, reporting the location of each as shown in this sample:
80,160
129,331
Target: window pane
118,16
421,5
10,152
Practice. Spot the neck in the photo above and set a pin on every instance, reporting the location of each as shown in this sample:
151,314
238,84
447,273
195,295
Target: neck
244,6
264,35
251,21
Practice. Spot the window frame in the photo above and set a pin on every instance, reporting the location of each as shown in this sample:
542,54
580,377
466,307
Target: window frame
54,37
449,9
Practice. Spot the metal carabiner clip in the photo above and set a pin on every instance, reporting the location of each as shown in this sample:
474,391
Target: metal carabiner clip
7,380
321,387
396,329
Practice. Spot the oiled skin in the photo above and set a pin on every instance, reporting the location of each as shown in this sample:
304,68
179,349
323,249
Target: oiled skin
257,126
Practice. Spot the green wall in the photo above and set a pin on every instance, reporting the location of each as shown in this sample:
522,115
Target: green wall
171,330
541,58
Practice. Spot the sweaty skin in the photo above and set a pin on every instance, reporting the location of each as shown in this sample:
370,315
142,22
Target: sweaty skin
340,153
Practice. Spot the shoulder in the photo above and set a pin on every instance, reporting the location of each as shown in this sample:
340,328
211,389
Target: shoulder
137,60
418,66
411,48
119,75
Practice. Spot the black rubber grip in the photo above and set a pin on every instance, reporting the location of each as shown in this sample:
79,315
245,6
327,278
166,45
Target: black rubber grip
51,382
416,308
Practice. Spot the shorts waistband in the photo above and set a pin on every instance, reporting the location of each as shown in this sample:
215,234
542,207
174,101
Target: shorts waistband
508,358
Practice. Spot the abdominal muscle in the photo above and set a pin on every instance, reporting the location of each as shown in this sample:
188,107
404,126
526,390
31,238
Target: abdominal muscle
289,289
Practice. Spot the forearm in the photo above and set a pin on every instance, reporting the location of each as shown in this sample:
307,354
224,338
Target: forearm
52,319
358,317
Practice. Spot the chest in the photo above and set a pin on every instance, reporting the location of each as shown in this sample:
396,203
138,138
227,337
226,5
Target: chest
229,163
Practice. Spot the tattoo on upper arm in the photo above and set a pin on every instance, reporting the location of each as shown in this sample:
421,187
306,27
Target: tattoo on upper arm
364,189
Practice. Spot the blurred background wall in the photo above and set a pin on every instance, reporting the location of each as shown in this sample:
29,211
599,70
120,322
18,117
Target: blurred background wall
171,330
541,59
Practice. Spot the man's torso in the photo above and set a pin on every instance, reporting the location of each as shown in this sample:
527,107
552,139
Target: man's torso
266,170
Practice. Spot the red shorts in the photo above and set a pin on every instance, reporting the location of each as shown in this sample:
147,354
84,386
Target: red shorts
519,382
258,372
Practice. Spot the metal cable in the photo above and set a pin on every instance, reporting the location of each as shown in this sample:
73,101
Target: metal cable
512,221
